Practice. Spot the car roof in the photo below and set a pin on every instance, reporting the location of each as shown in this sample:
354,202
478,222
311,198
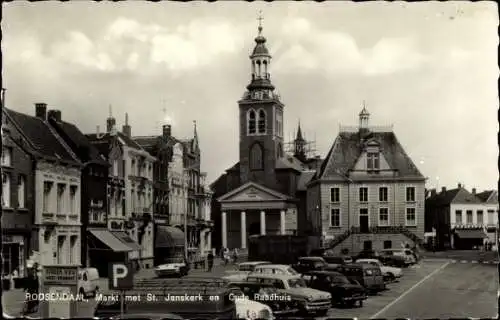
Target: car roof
327,273
251,263
366,259
311,258
284,266
274,276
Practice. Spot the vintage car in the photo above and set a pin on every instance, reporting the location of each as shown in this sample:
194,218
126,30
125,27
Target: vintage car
307,264
281,304
275,269
190,297
243,270
310,301
368,276
149,315
407,255
344,291
384,256
337,260
175,267
390,273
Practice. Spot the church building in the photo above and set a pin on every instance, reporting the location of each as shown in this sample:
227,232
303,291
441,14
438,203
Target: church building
264,192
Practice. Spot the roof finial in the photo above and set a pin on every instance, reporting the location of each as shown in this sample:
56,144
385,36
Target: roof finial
260,18
195,132
126,118
110,111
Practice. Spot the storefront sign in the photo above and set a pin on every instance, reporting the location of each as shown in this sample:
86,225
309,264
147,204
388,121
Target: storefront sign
60,275
60,284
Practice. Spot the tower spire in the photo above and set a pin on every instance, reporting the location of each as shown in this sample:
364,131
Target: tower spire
260,18
110,121
364,117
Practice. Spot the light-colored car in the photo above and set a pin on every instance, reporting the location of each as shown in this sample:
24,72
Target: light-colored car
88,282
174,268
390,273
275,269
250,309
407,254
310,300
243,270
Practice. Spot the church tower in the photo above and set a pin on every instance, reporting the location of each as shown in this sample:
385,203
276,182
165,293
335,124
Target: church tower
261,120
299,146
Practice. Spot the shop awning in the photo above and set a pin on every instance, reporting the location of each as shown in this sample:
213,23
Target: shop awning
169,237
470,234
126,239
110,240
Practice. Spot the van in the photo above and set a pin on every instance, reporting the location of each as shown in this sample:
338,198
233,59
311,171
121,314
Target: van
368,276
88,282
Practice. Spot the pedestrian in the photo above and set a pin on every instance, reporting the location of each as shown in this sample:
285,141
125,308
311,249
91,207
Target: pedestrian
210,260
235,255
32,287
226,256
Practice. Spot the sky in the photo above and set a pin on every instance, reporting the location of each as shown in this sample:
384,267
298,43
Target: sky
429,69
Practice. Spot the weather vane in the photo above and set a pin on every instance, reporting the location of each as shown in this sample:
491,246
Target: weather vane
260,18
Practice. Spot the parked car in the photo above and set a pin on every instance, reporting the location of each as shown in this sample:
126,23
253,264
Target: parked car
243,270
249,309
407,255
386,257
275,269
176,267
344,291
152,316
368,276
88,282
338,260
310,301
390,273
281,304
307,264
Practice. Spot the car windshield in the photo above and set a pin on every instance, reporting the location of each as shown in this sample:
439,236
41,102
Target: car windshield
297,283
292,271
341,280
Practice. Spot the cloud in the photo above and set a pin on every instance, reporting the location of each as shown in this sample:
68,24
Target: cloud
338,52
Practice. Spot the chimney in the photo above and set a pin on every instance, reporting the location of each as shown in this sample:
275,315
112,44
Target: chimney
54,114
474,191
126,129
459,185
443,189
41,110
167,130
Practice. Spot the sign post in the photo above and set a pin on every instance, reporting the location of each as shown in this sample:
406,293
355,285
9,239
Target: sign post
121,277
60,282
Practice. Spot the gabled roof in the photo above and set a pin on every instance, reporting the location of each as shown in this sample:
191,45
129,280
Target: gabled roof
253,186
348,146
489,196
79,143
109,137
290,162
453,196
42,138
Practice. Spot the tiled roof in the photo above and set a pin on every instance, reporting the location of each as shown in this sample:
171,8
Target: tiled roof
348,146
304,179
107,136
78,142
458,195
41,136
146,141
290,162
488,196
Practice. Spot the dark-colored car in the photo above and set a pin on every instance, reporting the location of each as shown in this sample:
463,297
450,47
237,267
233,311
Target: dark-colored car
385,258
368,276
338,260
282,304
308,264
344,291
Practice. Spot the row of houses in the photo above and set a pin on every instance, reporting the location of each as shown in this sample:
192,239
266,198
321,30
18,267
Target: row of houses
460,219
89,199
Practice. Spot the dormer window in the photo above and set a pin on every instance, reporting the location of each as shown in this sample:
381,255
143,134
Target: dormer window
373,161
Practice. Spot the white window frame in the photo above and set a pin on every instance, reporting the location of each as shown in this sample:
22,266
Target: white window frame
6,190
21,191
340,218
372,156
461,216
46,200
115,167
72,198
331,193
7,156
386,195
406,217
414,194
491,213
478,213
467,217
388,217
359,195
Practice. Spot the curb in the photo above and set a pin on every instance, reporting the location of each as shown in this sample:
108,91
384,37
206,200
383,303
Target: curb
476,261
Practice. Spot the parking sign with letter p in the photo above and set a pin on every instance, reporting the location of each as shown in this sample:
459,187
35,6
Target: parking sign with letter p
121,276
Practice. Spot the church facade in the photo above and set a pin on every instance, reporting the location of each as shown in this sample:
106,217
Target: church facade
264,192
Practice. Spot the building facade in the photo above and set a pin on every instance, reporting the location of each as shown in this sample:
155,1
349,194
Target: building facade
259,194
461,219
94,181
368,194
57,186
18,203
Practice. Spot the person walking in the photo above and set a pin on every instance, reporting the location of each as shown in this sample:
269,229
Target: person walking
32,288
210,260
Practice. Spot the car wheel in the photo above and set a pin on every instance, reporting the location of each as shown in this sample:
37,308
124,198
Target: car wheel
391,277
360,303
322,313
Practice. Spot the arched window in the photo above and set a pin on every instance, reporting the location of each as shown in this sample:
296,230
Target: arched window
265,69
259,72
256,157
251,121
262,121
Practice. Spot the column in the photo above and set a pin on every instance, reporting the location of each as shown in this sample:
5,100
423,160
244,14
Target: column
282,222
243,230
224,229
262,223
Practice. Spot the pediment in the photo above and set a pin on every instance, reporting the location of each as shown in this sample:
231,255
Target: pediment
252,192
